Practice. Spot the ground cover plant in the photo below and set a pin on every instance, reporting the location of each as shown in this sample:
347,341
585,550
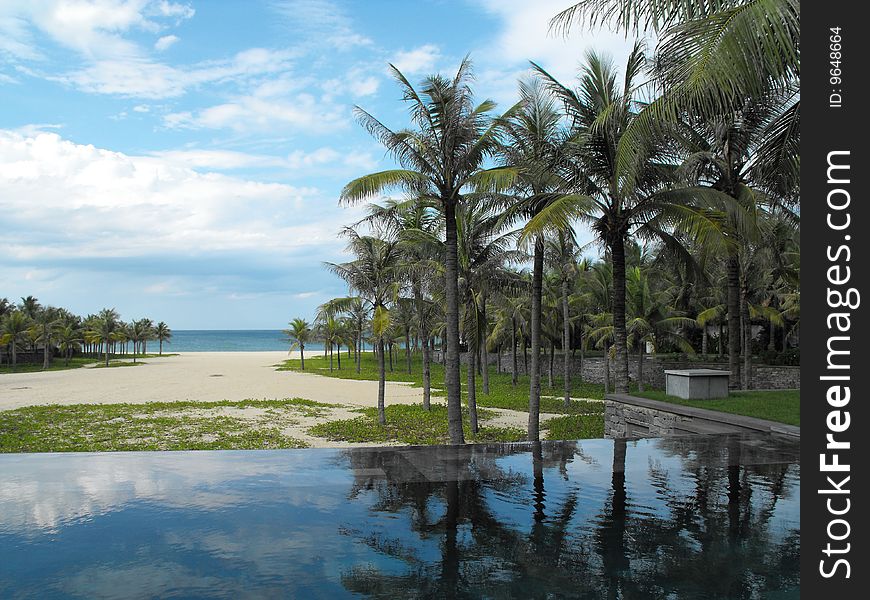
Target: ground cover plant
154,426
782,406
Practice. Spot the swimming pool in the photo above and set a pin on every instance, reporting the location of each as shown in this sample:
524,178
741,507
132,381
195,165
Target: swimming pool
684,517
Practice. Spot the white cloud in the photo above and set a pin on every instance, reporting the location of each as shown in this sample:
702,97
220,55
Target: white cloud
164,42
94,28
417,61
299,112
323,20
141,108
146,78
320,161
88,202
526,35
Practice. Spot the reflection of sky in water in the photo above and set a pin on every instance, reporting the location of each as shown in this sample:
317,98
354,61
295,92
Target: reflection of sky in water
394,522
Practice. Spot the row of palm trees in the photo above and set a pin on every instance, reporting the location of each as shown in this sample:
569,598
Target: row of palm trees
30,325
693,151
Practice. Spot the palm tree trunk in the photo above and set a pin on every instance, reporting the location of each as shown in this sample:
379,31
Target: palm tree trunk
390,350
733,267
721,341
46,361
552,361
606,368
359,352
472,390
426,373
483,349
746,372
338,354
771,343
330,356
704,340
514,351
566,344
451,368
408,348
620,375
161,347
535,383
640,352
382,377
302,355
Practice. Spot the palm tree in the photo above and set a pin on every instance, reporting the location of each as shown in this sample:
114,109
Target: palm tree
443,156
44,324
711,57
163,334
651,320
69,337
374,275
642,202
561,253
15,327
138,332
299,334
533,145
103,329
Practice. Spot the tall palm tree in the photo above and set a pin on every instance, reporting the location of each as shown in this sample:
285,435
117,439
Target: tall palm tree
103,329
441,158
15,327
533,145
44,324
299,334
137,333
562,253
711,56
163,334
69,337
374,275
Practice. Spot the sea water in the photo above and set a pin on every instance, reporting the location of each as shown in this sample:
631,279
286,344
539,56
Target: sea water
229,340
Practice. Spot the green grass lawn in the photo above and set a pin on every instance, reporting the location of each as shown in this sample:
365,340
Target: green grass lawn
502,393
411,424
153,426
59,364
782,406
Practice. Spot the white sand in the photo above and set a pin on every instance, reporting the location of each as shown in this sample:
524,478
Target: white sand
198,376
213,376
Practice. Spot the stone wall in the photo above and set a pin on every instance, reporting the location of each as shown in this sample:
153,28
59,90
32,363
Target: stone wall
630,416
764,377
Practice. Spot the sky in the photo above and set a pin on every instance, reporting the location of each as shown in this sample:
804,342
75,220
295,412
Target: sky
182,160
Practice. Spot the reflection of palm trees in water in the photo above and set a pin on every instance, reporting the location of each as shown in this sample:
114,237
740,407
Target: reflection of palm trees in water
710,521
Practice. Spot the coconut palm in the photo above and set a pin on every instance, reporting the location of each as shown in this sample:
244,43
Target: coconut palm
441,158
163,334
15,328
561,253
711,56
69,338
103,328
138,332
374,275
600,111
299,334
44,324
533,145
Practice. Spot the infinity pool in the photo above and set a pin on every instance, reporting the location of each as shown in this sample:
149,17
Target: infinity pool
690,517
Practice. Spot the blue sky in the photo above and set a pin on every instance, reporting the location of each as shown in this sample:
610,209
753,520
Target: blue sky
182,160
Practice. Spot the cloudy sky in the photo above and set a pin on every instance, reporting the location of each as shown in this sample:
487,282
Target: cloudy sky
182,159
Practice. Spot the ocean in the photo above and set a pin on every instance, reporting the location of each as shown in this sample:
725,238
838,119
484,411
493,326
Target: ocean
227,340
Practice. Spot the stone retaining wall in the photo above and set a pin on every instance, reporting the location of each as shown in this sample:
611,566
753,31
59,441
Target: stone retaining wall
764,377
630,416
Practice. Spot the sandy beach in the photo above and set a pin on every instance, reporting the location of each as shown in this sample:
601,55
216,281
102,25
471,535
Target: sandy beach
213,376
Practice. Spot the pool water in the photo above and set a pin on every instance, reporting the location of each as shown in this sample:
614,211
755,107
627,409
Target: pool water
687,517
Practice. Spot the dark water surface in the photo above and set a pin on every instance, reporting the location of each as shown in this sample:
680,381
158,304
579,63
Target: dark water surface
695,517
